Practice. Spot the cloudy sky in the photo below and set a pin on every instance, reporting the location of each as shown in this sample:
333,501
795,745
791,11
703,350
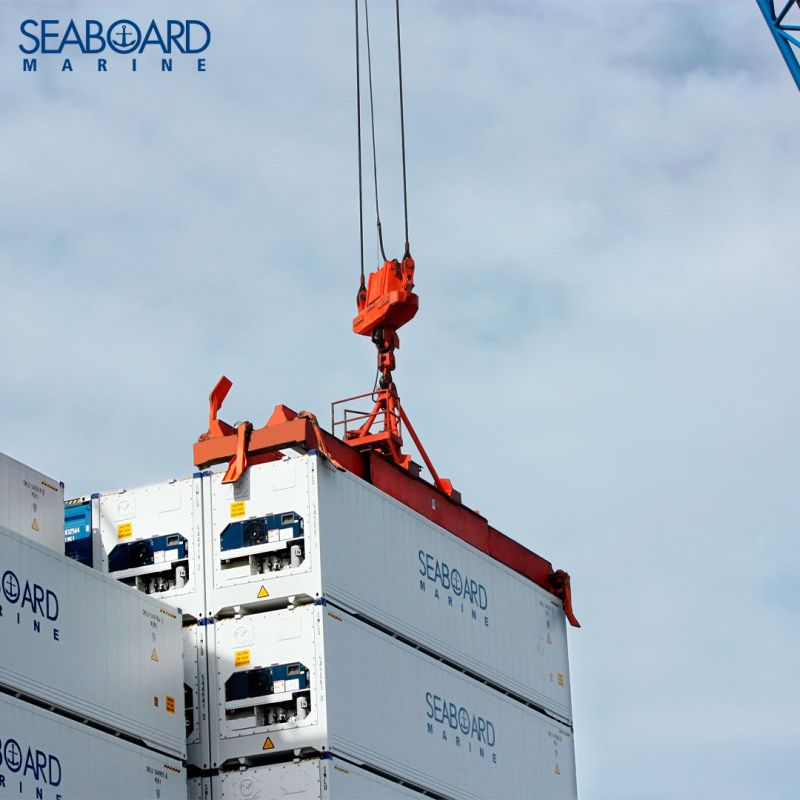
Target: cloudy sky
603,205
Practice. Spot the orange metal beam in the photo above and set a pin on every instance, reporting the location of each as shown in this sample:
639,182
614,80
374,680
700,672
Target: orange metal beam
286,430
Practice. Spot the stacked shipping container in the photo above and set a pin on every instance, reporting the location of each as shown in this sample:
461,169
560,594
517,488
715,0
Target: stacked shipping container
331,631
90,671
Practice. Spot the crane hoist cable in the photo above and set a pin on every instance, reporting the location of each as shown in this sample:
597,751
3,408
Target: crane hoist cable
362,285
384,304
372,126
387,301
402,124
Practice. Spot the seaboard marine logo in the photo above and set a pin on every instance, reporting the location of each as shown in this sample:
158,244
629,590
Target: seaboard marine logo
27,602
19,762
451,585
460,727
67,45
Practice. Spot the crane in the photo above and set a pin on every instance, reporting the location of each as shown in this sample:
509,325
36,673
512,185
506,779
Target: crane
372,449
385,302
785,28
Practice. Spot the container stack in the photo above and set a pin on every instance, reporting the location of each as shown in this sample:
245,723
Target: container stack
337,644
90,671
151,539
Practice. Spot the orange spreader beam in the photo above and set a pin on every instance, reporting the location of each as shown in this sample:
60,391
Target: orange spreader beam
243,446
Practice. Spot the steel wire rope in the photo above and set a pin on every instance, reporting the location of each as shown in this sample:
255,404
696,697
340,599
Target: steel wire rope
403,126
362,285
372,125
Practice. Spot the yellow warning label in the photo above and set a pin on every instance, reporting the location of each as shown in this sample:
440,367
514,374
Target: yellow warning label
558,770
155,700
560,679
34,525
154,655
241,658
125,530
237,509
268,744
170,704
262,592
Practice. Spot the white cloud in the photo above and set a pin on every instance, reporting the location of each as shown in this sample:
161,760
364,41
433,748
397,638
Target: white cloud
601,203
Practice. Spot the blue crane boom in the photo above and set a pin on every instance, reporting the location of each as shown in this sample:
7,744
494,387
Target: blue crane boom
785,27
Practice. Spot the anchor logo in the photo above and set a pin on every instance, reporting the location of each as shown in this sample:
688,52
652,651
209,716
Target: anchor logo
124,36
12,755
464,720
122,39
10,586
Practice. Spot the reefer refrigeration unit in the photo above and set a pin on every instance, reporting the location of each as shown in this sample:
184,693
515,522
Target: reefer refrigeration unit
83,643
298,528
46,755
314,679
151,538
327,778
31,504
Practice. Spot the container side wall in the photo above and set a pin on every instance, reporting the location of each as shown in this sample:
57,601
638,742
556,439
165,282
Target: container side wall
47,755
399,710
80,641
378,702
388,564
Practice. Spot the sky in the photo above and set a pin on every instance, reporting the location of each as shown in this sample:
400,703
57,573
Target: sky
602,204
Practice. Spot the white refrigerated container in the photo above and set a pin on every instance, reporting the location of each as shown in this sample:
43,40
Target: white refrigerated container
49,756
31,504
151,538
298,528
83,643
313,679
327,778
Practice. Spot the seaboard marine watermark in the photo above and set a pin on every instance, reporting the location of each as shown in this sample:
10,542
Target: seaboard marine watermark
69,45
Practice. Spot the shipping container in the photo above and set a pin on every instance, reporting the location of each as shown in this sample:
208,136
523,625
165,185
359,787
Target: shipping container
84,643
199,788
327,778
298,528
151,538
31,504
195,692
49,756
311,679
79,535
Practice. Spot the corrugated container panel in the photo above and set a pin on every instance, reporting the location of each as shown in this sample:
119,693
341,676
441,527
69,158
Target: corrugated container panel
367,553
327,778
31,504
151,538
199,788
48,756
195,666
82,642
313,678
